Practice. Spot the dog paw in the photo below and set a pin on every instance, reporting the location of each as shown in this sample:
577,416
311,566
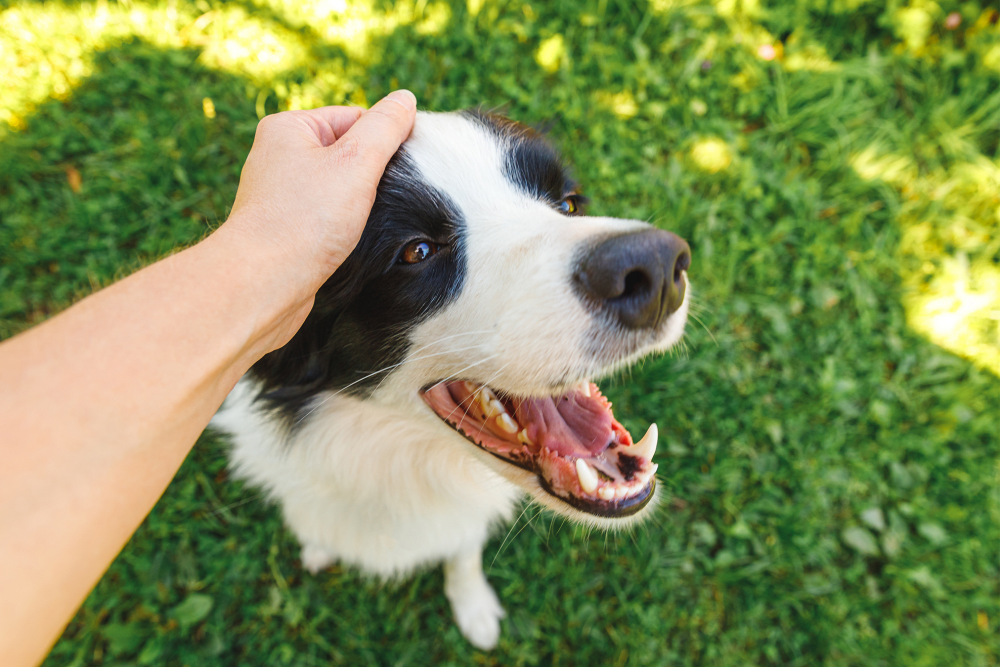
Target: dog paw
477,613
316,558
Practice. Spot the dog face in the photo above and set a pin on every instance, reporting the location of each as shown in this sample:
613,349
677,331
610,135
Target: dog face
480,300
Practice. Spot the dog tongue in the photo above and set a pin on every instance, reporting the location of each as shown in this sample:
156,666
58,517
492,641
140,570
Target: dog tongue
571,425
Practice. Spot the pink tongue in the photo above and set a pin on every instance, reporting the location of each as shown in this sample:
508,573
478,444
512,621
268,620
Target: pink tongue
570,425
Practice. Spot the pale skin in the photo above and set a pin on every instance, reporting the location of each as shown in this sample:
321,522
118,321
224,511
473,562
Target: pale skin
100,404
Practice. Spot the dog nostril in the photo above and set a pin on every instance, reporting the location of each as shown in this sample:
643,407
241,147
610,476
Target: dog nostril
682,264
637,277
636,282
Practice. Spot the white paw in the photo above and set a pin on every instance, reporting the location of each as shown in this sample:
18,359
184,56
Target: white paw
477,613
316,558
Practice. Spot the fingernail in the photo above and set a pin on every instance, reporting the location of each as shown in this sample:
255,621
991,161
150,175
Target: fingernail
404,98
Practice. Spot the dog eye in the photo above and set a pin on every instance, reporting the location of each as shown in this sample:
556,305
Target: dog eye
418,251
568,205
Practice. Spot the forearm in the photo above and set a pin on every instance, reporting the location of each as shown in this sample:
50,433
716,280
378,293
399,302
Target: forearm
100,405
110,396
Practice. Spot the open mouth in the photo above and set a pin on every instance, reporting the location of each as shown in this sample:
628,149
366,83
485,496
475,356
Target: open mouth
573,442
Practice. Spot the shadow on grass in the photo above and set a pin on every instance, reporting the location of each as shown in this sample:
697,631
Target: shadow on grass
126,170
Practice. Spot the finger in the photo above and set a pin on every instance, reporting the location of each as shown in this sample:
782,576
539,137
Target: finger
332,122
377,134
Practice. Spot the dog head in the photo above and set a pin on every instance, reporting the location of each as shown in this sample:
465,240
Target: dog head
480,298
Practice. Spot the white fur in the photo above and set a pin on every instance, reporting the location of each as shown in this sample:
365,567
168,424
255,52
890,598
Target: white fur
381,483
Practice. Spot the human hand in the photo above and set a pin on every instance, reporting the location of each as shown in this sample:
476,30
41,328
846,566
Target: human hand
309,181
305,194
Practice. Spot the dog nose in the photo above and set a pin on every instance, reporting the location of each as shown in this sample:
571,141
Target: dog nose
636,277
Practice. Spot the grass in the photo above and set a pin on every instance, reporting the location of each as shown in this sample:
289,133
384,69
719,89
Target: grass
831,425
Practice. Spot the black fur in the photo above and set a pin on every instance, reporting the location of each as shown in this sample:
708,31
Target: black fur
532,164
358,328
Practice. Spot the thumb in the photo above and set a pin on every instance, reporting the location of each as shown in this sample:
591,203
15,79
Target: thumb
378,133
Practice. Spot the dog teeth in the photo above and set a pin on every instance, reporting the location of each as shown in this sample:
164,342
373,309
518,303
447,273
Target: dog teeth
646,447
507,424
606,492
586,475
524,437
584,388
486,400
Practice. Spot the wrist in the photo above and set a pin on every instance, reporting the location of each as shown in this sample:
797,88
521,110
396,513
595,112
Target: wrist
273,284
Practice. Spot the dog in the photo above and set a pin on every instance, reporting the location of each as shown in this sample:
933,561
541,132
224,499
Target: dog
446,369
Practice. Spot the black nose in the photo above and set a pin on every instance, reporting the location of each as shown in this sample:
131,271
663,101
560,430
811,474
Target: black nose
637,277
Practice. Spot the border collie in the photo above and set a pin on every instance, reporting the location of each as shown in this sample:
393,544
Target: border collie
446,368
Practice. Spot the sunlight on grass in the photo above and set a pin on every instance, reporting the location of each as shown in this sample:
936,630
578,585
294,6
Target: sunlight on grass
923,31
960,310
915,22
806,56
46,49
551,53
361,23
711,155
622,104
950,218
873,163
353,24
236,42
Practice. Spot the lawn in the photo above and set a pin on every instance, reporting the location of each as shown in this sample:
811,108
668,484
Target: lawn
831,424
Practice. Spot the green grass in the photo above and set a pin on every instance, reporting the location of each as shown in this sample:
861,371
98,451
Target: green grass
830,427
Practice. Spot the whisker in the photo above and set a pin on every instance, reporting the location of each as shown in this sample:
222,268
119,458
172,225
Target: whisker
527,506
426,356
458,405
703,326
327,398
459,372
225,508
444,338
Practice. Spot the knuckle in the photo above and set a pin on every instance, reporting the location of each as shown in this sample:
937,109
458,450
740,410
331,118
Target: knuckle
348,149
264,124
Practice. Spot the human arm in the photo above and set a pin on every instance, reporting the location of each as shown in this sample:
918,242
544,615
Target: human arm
100,404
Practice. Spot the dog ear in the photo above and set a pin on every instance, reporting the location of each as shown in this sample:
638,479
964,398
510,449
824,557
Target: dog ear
532,161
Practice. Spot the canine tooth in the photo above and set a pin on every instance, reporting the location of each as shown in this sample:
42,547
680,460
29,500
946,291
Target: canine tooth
585,388
496,408
646,447
606,492
524,437
505,422
648,475
586,475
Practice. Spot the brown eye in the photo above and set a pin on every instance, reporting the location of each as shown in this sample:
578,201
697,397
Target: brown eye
418,251
568,206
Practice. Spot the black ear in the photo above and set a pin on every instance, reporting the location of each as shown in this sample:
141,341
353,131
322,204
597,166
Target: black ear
532,163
